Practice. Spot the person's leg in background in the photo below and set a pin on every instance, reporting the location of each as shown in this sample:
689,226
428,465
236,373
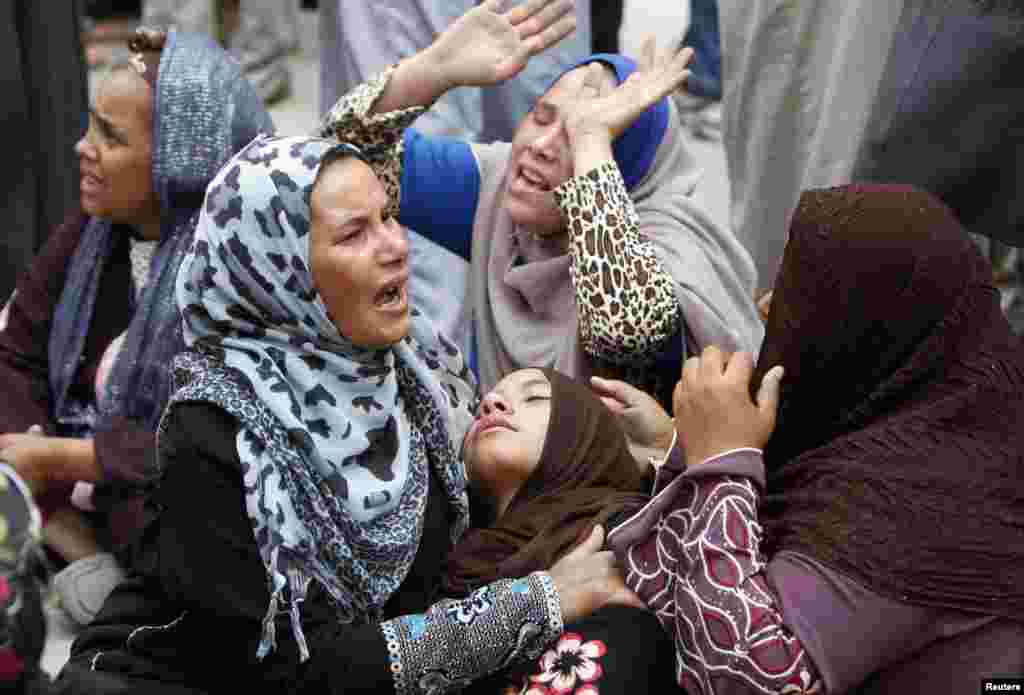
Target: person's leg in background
700,103
188,15
259,33
265,33
606,23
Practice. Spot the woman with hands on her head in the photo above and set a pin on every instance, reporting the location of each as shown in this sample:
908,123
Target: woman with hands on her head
311,486
588,251
867,537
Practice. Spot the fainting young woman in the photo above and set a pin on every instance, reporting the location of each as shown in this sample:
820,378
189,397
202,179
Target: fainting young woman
547,461
588,250
311,484
89,334
868,539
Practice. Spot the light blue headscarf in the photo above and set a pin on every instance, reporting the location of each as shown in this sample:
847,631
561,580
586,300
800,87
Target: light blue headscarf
335,440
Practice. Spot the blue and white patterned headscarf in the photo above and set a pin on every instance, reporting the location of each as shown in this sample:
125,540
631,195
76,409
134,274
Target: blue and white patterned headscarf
335,440
204,111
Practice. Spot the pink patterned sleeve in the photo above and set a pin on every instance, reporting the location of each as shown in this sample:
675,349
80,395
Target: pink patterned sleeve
699,568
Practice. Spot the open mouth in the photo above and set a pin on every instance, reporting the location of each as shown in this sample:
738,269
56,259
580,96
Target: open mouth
533,180
392,296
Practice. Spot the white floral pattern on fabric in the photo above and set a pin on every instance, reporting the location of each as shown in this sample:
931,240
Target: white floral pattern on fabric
702,573
476,604
335,440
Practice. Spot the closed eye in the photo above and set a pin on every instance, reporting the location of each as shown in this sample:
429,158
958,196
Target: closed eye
350,233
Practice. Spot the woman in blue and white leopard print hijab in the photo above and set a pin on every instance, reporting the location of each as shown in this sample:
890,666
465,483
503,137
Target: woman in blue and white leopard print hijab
336,437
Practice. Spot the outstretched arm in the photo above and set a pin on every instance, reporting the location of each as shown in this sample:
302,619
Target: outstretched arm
484,47
433,183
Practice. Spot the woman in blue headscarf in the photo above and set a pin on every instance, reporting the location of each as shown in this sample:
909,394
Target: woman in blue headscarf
588,251
87,339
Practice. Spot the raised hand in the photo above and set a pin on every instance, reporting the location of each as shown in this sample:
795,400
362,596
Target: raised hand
649,429
487,46
606,112
713,409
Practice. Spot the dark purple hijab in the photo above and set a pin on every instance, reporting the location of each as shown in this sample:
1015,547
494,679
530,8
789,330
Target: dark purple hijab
898,458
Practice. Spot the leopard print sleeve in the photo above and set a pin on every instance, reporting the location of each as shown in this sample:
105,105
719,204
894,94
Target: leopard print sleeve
379,136
627,303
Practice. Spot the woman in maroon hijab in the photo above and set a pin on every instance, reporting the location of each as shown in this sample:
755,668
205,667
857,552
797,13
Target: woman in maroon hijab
876,544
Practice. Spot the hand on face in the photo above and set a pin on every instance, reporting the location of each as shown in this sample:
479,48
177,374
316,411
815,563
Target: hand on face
486,46
605,112
713,409
542,156
648,427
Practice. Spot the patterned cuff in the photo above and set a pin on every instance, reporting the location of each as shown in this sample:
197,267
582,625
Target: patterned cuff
349,120
458,641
